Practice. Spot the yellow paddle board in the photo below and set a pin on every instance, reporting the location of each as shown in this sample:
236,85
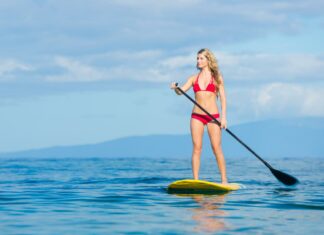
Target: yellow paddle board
200,186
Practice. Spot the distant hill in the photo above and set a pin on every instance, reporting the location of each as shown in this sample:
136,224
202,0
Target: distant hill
302,137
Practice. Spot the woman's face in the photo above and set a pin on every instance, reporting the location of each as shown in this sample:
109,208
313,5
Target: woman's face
202,61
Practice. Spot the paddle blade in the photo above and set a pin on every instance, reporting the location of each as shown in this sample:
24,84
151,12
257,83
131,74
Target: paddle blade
283,177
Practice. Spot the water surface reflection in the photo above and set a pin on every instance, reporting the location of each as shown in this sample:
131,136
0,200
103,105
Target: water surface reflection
208,216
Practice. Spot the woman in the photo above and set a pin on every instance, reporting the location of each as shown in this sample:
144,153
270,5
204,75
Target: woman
207,85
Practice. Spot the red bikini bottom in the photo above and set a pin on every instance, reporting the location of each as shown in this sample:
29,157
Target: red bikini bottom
204,118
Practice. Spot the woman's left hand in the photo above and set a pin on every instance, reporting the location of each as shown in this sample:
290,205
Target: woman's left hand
223,123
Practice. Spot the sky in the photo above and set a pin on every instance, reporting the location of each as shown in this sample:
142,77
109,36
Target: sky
81,72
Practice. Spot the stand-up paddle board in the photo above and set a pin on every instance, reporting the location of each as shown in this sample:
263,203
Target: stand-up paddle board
200,186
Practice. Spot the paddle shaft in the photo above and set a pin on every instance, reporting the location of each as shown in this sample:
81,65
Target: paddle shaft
228,131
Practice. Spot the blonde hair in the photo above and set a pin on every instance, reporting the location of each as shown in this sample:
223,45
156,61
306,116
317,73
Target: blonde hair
212,64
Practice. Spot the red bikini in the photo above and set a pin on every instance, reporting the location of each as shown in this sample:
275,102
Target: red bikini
210,87
205,119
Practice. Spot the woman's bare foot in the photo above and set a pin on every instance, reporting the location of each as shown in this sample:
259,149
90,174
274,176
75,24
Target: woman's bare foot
225,182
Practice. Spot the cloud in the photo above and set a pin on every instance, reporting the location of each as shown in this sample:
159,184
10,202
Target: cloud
147,42
9,67
74,71
70,28
275,67
179,61
158,66
276,100
242,67
150,42
143,66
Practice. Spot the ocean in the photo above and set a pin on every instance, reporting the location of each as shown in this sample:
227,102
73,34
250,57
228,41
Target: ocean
129,196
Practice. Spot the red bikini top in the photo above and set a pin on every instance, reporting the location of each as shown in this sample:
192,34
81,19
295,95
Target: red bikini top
210,87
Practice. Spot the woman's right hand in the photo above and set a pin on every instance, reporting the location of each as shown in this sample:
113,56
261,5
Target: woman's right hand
173,85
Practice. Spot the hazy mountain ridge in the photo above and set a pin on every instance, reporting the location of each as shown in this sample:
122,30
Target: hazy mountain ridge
299,137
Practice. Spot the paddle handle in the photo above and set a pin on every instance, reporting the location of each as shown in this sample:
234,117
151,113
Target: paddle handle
228,131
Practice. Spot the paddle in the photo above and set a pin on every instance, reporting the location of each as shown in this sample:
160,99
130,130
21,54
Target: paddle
281,176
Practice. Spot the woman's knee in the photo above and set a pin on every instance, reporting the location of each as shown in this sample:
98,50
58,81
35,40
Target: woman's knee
197,148
217,149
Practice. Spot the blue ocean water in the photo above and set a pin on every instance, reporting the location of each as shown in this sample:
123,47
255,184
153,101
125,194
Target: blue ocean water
128,196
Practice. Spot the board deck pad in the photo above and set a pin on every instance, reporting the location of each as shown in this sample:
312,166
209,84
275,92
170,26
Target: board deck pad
200,186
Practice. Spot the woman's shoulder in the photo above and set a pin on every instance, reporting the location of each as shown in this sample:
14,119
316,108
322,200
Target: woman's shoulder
193,77
221,80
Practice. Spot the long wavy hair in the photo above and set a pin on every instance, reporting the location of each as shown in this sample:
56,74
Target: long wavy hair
212,64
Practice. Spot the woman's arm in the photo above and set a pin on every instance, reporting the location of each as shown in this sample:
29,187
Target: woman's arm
222,97
185,87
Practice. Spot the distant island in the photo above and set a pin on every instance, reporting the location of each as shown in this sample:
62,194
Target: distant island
280,138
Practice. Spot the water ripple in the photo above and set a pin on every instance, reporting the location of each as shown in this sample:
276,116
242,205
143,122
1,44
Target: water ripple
129,196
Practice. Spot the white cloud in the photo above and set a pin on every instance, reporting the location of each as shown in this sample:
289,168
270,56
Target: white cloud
302,65
177,62
275,67
71,27
74,71
146,65
10,66
158,66
259,67
276,100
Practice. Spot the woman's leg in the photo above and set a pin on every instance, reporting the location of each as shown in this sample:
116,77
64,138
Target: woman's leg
215,136
197,132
